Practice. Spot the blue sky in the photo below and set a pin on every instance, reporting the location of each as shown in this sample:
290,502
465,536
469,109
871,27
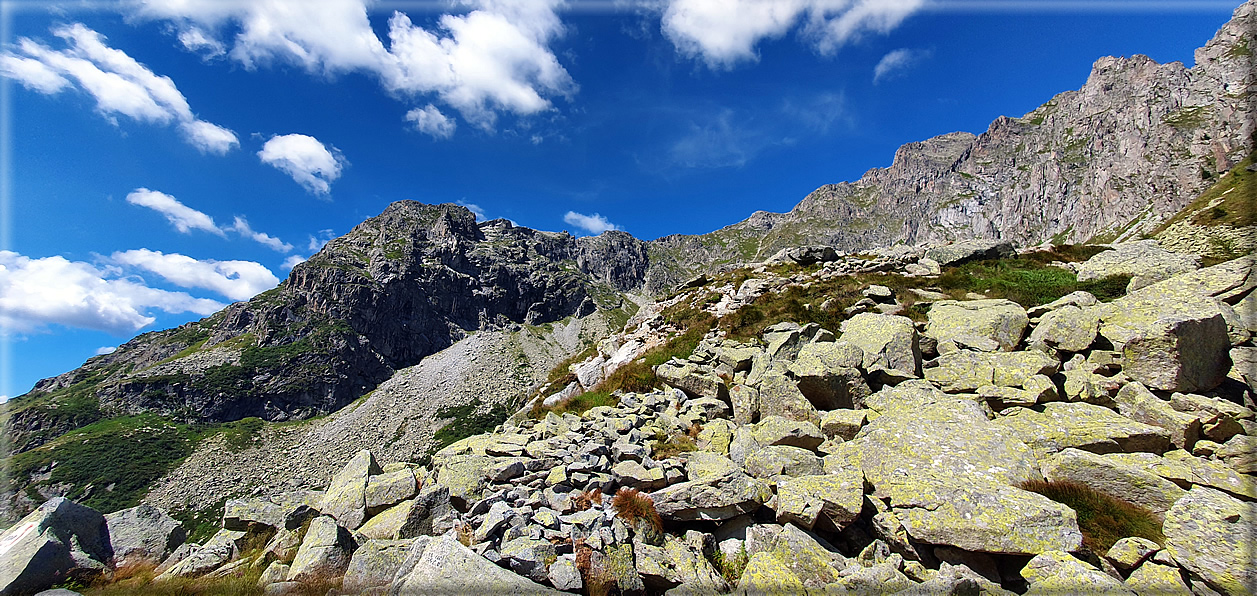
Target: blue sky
166,157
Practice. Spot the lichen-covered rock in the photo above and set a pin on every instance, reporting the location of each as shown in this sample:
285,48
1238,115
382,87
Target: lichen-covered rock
765,575
778,460
324,554
633,475
1128,553
281,511
776,430
143,533
717,498
1211,534
1134,401
806,556
218,550
448,568
957,253
1084,426
976,322
676,563
528,557
1144,260
1067,328
1153,579
888,342
1057,572
1128,483
388,489
691,378
704,466
373,565
835,500
345,498
827,374
965,370
745,400
1240,453
564,575
842,424
428,514
1179,353
1185,469
779,395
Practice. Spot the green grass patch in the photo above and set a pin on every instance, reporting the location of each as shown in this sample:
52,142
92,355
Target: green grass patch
731,567
672,446
1026,281
1187,118
465,421
577,404
1102,518
202,523
240,434
110,464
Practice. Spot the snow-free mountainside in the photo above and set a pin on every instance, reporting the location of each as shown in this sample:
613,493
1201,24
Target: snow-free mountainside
1017,362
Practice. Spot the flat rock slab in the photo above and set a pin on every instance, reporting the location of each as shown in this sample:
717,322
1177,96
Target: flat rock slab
711,499
52,542
1129,483
374,564
969,322
1084,426
966,370
143,533
449,568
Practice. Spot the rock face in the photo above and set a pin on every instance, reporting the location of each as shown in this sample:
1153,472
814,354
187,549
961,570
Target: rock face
60,540
143,533
398,287
1211,535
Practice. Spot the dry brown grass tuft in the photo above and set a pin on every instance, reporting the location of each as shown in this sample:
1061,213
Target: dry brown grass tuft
636,508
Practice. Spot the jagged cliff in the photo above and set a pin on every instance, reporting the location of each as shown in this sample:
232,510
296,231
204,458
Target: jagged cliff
400,286
1112,160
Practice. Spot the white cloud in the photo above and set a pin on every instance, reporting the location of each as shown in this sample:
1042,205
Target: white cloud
725,32
430,120
894,62
594,224
32,74
241,226
304,158
119,84
195,40
318,240
237,280
494,58
474,208
293,261
35,293
101,351
184,218
209,138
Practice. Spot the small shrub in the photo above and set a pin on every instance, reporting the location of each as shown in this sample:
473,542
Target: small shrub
637,509
731,567
1102,518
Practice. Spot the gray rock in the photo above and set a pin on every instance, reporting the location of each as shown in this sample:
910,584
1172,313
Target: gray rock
217,551
1181,353
388,489
888,342
969,322
782,460
1144,260
281,511
717,498
776,430
833,499
676,563
373,565
1083,426
1134,401
1240,453
827,375
1057,572
345,499
1130,552
696,380
842,424
1128,483
965,371
528,557
1152,579
143,533
564,575
446,567
1067,328
59,539
958,253
1211,534
325,552
779,395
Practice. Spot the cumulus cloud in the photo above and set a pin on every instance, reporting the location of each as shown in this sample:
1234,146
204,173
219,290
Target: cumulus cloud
237,280
293,261
119,84
894,63
495,58
725,32
35,293
195,40
594,224
241,226
101,351
183,218
429,120
303,157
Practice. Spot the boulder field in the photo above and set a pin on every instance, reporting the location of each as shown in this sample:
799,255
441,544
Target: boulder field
888,455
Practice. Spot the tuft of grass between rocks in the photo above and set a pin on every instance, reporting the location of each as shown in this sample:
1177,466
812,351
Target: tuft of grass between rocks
1102,518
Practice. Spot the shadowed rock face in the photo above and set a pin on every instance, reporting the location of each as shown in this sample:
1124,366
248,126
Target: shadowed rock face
398,287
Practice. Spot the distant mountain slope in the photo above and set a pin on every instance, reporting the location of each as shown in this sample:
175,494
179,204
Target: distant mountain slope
400,286
1114,159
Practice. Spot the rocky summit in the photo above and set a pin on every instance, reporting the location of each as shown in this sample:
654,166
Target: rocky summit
1019,362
